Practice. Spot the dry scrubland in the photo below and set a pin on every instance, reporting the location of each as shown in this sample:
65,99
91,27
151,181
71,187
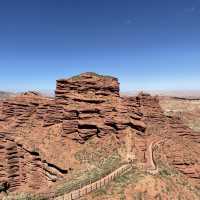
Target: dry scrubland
168,184
187,110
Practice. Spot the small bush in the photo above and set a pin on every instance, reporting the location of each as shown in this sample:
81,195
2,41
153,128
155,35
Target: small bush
164,173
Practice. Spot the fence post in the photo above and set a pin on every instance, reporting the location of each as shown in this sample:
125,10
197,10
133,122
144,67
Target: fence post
90,185
80,190
71,196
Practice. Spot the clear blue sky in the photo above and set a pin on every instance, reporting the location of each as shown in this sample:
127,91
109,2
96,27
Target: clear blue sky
147,44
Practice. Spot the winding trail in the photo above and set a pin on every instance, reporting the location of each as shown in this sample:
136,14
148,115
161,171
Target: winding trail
151,165
152,168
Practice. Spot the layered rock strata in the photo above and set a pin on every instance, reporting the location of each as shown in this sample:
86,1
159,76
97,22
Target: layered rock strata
22,168
84,106
38,135
181,144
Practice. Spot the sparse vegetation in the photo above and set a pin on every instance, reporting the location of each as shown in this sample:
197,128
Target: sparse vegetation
167,183
119,184
187,110
27,197
111,163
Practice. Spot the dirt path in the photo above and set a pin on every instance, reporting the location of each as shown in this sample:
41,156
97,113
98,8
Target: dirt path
151,165
84,190
76,194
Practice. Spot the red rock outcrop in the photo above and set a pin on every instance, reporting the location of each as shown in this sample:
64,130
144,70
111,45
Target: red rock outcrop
84,106
88,87
38,135
22,168
181,143
92,106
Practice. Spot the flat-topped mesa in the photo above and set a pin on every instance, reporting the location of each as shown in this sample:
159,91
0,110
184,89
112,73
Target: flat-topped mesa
92,106
87,87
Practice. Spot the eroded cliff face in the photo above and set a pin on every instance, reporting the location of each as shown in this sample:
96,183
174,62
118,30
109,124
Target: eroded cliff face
40,135
94,107
180,145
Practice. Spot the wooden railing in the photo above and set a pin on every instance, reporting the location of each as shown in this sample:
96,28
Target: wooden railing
76,194
81,191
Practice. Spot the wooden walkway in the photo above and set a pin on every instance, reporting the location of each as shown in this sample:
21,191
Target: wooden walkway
82,191
76,194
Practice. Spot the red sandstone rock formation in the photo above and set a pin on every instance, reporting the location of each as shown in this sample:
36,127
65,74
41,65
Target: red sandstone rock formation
85,106
92,106
182,144
39,135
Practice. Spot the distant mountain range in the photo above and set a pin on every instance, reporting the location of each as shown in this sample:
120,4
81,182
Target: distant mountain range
4,94
172,93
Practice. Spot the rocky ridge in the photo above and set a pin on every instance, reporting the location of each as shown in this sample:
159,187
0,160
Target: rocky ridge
39,135
181,142
84,106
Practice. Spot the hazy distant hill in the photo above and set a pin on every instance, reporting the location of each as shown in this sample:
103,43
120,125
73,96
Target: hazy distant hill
172,93
4,95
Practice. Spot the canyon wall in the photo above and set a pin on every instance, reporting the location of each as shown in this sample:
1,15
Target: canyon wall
84,106
180,143
39,135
